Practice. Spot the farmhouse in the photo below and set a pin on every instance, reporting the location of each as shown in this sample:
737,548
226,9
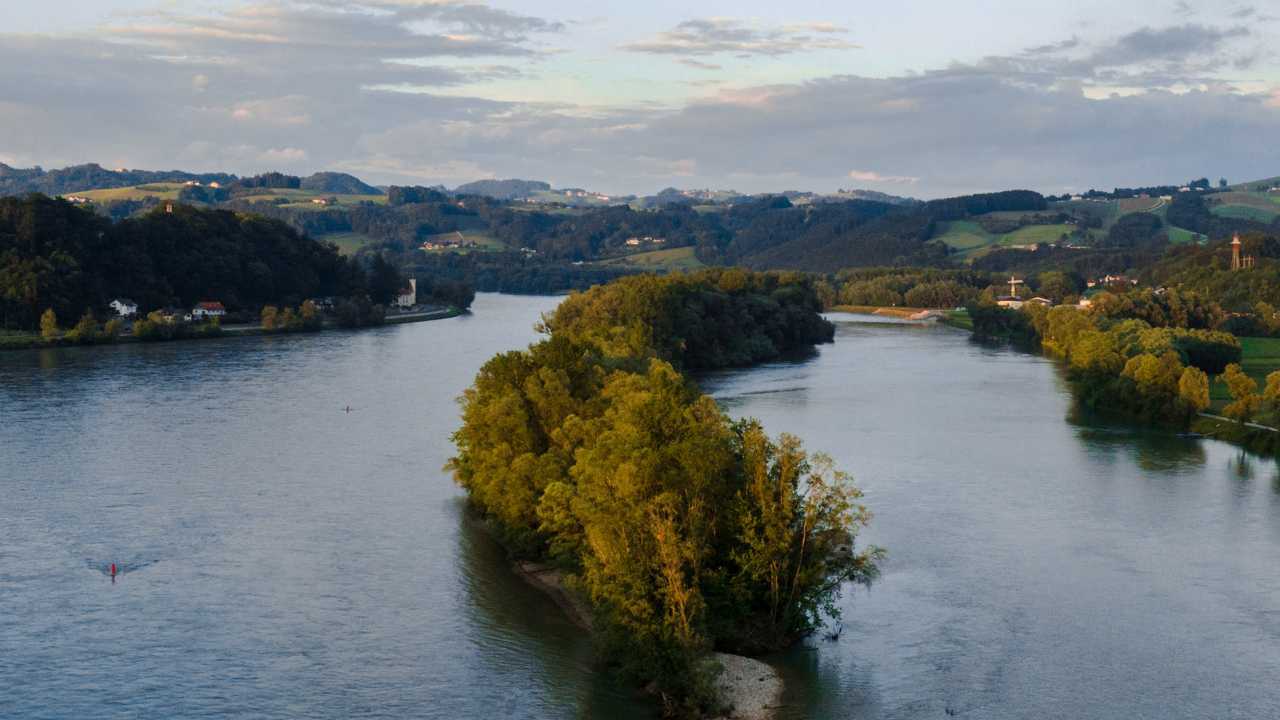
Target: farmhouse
124,307
208,309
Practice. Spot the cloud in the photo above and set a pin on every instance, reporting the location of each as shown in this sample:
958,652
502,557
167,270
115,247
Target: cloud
875,177
700,65
712,36
1164,57
361,88
283,156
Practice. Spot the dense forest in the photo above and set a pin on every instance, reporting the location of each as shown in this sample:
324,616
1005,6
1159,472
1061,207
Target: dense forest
686,531
56,255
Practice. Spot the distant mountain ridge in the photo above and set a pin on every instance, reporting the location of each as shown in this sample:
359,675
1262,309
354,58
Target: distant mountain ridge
503,189
338,184
92,176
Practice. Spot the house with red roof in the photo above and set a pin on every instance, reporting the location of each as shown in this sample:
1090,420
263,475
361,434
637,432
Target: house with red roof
208,309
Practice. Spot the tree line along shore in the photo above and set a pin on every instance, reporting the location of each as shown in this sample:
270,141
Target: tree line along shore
69,276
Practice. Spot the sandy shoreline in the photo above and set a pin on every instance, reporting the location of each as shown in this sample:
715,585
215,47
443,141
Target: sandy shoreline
750,686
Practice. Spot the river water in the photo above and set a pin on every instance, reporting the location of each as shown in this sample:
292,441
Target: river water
284,558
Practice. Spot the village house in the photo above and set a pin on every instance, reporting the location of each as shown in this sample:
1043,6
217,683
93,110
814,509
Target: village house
408,295
124,307
1112,281
173,315
208,309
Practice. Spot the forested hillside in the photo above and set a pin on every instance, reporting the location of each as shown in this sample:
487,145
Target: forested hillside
56,255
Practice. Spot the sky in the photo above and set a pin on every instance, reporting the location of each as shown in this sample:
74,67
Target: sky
927,98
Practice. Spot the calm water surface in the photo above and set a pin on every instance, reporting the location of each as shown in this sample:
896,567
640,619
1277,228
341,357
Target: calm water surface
283,558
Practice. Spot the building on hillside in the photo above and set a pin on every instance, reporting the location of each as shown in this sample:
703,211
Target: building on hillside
208,309
124,307
408,295
1120,282
1038,300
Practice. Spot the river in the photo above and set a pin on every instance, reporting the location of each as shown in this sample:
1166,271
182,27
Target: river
285,558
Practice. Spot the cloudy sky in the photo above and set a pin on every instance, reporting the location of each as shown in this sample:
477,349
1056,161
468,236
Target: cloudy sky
916,97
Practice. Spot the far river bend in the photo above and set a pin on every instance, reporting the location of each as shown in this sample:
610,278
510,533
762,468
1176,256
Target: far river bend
284,558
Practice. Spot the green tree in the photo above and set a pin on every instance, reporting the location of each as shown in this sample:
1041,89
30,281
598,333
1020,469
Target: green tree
289,321
1155,376
1268,318
796,521
270,318
1096,351
1193,388
85,330
49,325
1271,394
310,315
1244,394
111,330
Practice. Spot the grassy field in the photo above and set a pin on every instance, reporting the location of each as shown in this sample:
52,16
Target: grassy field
1261,357
964,235
1244,212
484,241
163,191
1178,236
348,243
301,199
681,258
970,240
1261,207
958,319
1033,234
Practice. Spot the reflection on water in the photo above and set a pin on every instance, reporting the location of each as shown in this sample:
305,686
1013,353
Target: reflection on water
1039,566
277,556
287,559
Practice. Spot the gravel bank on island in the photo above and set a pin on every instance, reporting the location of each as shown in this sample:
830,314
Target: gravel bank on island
751,687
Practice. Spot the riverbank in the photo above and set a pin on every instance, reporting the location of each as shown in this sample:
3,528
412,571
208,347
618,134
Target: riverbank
886,311
33,341
752,688
1253,437
953,318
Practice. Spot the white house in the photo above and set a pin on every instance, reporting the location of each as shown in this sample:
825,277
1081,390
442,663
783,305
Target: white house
208,309
124,307
408,296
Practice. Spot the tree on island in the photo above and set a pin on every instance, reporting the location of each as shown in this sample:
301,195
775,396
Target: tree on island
686,531
49,325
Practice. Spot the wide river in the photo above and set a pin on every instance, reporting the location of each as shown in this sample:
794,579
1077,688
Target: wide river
282,557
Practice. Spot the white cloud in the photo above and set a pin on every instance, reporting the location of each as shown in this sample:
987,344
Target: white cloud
283,156
711,36
875,177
